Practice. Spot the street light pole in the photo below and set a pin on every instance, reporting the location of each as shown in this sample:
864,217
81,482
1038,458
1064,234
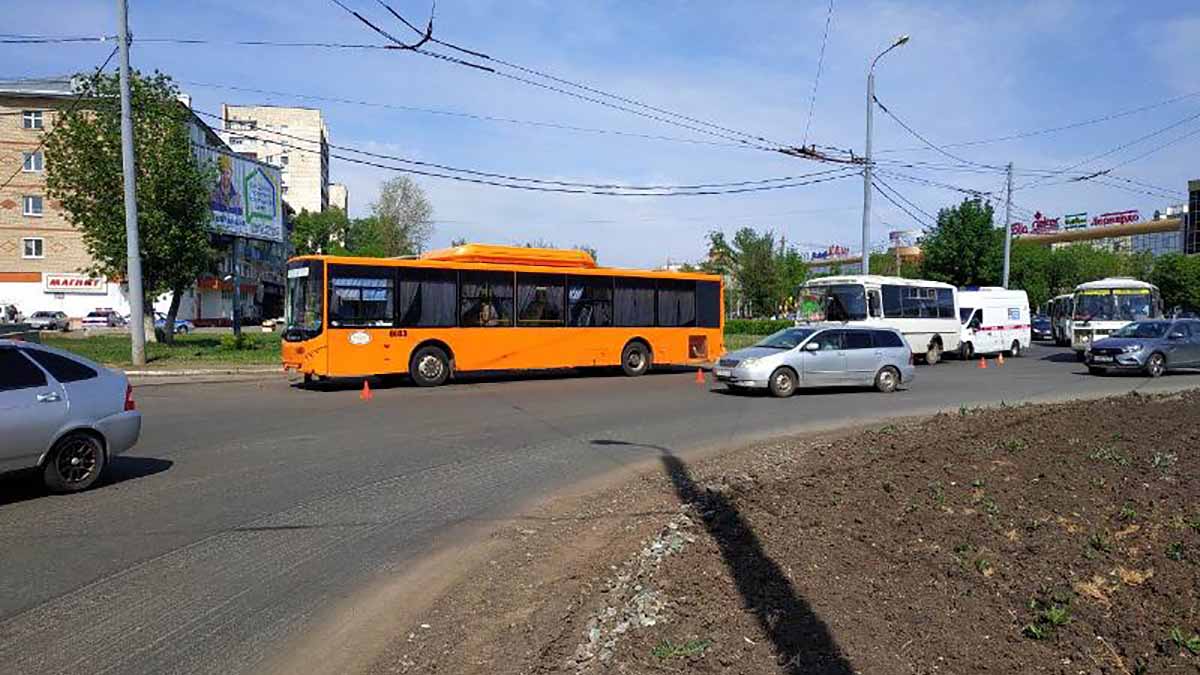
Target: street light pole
866,218
1007,226
133,255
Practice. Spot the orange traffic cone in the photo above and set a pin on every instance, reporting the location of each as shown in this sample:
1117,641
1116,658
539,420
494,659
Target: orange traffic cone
366,394
1000,359
983,363
700,376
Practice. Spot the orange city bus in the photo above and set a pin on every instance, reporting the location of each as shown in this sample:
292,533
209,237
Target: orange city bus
479,307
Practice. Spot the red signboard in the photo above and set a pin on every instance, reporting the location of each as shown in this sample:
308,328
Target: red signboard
1116,218
74,283
1043,224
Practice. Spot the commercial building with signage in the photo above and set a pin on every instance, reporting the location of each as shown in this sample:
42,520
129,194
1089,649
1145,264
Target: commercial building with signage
43,259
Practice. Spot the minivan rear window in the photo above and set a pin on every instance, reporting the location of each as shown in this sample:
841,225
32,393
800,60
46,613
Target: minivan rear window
886,338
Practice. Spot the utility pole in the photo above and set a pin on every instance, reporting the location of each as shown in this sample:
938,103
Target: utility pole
896,245
1007,225
237,288
133,254
866,218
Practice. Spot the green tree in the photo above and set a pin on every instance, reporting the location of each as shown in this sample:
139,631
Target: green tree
1032,270
320,232
963,248
885,264
791,273
366,237
1178,279
757,277
590,250
404,216
83,162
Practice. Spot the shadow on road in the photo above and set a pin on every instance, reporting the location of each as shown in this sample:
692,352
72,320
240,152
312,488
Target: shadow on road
25,485
486,377
802,641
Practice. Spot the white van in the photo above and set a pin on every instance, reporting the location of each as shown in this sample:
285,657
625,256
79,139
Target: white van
994,320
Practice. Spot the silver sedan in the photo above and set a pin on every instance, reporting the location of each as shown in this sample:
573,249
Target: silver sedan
62,414
820,357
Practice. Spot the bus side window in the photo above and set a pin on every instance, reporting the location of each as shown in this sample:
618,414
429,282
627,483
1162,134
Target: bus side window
875,304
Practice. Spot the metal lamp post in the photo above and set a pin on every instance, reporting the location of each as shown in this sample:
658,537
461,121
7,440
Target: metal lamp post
866,218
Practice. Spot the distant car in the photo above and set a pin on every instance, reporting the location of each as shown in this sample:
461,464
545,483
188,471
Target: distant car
1041,328
49,321
182,326
103,318
63,415
816,356
1152,347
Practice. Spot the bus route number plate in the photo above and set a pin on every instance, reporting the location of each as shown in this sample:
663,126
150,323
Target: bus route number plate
398,333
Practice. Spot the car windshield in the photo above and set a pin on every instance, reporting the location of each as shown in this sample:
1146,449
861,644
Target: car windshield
1143,329
788,338
833,302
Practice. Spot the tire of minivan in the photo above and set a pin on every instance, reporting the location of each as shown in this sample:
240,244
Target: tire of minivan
74,464
1015,350
887,380
966,351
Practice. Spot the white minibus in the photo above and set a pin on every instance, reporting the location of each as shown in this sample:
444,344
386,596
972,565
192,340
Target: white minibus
1101,307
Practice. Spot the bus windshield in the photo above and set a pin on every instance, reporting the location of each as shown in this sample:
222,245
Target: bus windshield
305,289
1115,305
835,302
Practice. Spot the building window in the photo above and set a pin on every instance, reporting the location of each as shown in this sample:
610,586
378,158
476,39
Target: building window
31,119
283,189
33,162
32,247
283,160
31,205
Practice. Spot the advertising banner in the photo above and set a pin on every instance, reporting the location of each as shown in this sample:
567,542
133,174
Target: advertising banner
1116,218
1044,224
74,283
245,196
1075,221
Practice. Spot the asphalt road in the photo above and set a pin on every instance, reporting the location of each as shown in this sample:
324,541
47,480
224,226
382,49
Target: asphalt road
249,509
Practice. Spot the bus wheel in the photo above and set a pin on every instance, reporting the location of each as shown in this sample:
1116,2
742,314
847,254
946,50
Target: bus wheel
635,359
933,354
429,367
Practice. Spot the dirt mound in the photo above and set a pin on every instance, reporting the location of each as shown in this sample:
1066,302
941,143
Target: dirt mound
1050,538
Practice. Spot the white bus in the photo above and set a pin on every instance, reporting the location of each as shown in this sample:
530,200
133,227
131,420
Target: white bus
1060,319
1101,307
925,312
994,320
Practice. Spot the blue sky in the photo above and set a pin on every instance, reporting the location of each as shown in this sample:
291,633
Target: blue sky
972,71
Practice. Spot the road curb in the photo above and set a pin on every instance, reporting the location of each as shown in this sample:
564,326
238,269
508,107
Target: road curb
201,372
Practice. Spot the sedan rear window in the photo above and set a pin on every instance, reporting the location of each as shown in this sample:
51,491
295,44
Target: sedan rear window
18,372
62,368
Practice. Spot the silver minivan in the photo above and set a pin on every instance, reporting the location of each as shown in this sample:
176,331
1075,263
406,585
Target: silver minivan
820,356
62,414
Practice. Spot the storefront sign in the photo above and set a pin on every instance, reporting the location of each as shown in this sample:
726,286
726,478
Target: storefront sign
1019,228
1116,218
1043,224
1075,221
74,283
834,251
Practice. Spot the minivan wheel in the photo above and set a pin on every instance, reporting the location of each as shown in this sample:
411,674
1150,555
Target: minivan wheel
933,354
967,351
887,379
1015,350
635,359
782,383
1156,365
429,367
74,464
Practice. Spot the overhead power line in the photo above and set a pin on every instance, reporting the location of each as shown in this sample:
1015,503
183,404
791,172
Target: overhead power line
885,195
70,109
812,102
257,133
929,143
465,115
906,200
1056,129
541,185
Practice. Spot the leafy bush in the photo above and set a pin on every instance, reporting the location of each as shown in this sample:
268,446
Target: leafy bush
755,326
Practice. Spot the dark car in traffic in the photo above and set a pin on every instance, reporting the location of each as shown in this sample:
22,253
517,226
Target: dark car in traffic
1151,347
1041,328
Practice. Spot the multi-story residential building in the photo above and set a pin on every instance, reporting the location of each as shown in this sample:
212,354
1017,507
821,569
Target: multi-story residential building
44,262
339,196
294,139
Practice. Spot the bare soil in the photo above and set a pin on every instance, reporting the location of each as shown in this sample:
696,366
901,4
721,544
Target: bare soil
1057,538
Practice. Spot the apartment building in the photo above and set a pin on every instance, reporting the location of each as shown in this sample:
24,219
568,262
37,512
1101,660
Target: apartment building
293,139
44,261
339,196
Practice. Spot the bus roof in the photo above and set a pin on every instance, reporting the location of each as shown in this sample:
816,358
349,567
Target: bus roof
489,257
876,279
1114,282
